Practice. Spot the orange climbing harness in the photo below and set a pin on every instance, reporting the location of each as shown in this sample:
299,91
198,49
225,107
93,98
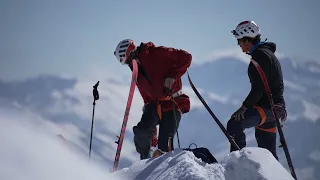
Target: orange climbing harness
263,120
168,98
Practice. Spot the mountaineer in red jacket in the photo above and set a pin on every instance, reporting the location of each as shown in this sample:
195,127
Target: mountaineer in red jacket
160,71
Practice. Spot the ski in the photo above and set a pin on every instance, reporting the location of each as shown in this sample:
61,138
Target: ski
230,138
126,114
282,138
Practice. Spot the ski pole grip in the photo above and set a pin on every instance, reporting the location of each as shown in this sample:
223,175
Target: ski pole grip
95,92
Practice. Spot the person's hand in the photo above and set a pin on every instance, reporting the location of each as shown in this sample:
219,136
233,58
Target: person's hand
282,113
168,82
239,114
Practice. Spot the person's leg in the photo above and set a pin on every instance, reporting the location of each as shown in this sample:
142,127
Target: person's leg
266,134
267,140
235,128
168,128
144,129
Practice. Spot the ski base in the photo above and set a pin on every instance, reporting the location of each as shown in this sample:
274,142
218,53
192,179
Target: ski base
126,114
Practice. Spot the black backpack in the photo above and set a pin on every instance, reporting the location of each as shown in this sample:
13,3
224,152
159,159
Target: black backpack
202,153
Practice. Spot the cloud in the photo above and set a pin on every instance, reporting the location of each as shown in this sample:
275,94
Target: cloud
194,100
220,99
74,135
109,113
109,109
127,145
312,111
314,69
30,152
305,173
294,86
315,155
234,52
70,131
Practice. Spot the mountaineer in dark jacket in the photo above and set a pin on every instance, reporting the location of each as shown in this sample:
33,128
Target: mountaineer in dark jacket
255,110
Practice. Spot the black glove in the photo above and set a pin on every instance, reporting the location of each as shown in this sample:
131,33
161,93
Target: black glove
239,114
281,113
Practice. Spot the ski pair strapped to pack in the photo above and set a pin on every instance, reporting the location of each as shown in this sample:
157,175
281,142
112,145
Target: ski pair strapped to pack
126,114
282,138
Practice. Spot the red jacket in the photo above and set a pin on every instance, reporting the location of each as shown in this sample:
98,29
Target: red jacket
160,63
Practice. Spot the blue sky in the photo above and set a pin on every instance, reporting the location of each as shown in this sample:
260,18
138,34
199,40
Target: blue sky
67,37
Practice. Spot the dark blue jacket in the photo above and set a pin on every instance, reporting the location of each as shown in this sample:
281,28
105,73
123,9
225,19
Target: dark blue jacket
263,54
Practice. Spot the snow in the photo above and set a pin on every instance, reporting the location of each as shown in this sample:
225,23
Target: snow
31,153
254,163
250,163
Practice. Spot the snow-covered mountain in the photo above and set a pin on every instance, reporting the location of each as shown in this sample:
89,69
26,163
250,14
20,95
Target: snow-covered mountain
64,106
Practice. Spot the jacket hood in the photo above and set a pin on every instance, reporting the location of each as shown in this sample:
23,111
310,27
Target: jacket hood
270,45
144,46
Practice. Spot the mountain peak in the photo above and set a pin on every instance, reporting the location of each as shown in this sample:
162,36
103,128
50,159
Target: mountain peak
248,163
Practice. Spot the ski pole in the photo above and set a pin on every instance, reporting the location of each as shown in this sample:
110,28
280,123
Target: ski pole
224,130
282,138
95,94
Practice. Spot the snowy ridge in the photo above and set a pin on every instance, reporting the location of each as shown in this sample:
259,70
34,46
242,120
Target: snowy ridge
250,163
178,164
254,163
35,154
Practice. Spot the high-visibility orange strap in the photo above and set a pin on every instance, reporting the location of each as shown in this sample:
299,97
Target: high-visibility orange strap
270,130
159,110
263,120
167,98
262,114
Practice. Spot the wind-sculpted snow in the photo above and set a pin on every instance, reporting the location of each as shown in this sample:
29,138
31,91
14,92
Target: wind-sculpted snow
249,163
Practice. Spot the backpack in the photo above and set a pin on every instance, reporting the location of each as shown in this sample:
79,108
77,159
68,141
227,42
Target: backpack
203,153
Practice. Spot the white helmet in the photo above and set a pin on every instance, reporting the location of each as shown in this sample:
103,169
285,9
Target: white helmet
246,29
123,50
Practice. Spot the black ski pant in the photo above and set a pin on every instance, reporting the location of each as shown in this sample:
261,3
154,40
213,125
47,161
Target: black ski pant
149,120
265,129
